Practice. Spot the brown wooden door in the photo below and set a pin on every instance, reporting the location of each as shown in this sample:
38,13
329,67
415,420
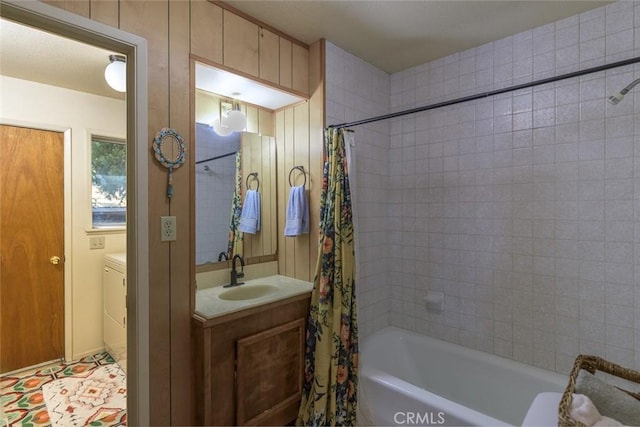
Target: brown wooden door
31,233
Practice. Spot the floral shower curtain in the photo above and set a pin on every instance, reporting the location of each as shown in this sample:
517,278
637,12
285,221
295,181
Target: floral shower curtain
235,236
329,394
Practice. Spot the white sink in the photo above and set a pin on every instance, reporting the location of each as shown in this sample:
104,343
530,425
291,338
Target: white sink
218,301
245,292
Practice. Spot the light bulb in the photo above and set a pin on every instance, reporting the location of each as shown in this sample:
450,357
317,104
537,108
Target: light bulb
236,120
221,128
116,73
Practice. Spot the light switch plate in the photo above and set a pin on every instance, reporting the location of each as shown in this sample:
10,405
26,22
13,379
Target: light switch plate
96,242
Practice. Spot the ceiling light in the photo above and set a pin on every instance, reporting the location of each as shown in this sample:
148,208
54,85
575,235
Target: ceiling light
229,85
116,73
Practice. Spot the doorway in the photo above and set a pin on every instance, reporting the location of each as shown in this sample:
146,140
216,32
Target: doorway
95,126
56,21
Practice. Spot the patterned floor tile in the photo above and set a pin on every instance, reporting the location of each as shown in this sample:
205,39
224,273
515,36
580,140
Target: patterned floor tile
21,398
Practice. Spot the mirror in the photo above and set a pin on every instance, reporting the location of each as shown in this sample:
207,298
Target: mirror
217,90
215,182
258,166
216,178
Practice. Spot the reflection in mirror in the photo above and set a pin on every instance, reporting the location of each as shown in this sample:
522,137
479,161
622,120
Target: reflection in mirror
259,157
218,161
215,181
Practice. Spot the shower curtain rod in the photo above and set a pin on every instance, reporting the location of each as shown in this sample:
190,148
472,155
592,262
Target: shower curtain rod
216,157
490,93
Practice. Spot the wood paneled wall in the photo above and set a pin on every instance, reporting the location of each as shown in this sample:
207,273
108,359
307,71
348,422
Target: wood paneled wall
299,131
316,142
258,156
177,31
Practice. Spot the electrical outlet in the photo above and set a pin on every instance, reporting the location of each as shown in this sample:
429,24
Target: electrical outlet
96,242
167,228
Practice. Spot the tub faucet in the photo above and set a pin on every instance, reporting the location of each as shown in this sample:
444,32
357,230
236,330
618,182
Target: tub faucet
222,255
235,275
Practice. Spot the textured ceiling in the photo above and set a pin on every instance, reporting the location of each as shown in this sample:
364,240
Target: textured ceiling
395,35
38,56
392,35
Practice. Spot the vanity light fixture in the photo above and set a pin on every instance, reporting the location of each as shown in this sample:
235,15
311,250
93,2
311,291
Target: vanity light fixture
236,120
116,73
220,127
231,120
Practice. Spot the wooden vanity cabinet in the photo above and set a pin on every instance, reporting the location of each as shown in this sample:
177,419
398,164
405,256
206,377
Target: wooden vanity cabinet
249,364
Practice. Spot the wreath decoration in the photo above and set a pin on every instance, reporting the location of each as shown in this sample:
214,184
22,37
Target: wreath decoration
158,142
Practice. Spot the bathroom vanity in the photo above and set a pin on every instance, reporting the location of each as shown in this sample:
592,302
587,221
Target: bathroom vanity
249,351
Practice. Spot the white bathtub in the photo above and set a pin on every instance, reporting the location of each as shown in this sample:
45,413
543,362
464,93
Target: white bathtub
410,379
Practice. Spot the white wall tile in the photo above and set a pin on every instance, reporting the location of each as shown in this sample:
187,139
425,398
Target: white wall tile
490,200
359,90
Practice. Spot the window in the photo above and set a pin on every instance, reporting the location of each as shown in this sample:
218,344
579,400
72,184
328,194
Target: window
108,182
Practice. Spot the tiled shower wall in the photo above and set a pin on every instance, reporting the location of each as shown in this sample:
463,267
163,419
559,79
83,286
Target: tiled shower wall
214,189
522,209
356,90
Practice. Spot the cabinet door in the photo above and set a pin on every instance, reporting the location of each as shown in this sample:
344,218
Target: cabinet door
285,62
269,373
241,44
300,69
269,56
206,30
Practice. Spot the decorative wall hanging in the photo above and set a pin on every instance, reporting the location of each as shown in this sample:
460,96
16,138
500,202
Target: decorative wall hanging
162,152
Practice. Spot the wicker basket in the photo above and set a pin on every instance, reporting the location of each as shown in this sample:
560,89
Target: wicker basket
591,364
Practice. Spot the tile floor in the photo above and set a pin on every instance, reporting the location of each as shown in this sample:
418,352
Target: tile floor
21,399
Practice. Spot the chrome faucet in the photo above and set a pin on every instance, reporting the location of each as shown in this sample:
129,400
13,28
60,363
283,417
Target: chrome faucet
235,275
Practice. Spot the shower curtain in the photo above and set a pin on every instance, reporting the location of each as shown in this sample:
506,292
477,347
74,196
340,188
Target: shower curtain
235,236
329,394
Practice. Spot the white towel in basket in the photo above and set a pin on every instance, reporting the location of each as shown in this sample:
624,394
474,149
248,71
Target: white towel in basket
584,411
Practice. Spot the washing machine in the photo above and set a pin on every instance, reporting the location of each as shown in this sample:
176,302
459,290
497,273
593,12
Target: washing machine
114,291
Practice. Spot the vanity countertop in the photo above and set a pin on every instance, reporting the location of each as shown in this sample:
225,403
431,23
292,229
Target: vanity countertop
219,301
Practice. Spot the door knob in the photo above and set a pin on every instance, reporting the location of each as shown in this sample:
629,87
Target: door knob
55,260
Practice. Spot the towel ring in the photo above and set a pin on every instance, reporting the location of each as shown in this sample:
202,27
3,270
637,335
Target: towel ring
301,169
255,177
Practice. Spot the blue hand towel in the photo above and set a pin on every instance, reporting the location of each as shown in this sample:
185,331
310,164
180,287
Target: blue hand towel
297,212
250,216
